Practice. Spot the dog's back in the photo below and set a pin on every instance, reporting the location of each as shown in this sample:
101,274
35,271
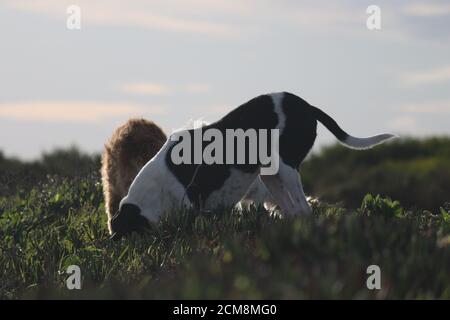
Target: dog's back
131,146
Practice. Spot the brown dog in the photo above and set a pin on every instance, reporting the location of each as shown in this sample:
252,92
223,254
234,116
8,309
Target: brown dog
131,146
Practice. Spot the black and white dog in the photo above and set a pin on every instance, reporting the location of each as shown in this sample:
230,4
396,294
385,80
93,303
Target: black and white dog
164,184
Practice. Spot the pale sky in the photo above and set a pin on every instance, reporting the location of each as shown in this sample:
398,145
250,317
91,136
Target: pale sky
175,60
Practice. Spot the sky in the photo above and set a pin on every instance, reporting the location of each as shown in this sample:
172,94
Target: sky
172,61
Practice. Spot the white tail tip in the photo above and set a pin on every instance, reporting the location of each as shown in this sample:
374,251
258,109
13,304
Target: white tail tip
367,143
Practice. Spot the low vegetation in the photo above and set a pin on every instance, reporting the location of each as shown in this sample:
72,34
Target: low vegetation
56,219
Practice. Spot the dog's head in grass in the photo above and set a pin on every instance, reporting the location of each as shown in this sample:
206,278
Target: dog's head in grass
127,220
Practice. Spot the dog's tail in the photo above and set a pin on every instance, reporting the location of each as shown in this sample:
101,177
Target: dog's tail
345,138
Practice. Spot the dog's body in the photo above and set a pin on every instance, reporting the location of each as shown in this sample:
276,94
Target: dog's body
163,185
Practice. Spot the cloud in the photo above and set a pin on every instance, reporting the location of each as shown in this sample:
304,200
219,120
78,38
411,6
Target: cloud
173,15
219,18
428,9
428,21
433,76
72,111
409,122
403,124
440,107
234,19
154,89
145,88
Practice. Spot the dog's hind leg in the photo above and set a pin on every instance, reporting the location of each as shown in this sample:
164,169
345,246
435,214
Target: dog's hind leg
294,183
287,190
256,195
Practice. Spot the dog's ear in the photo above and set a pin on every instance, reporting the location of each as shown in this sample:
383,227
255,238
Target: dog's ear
116,236
127,220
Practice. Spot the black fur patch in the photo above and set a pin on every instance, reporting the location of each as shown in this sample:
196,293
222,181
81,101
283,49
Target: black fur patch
127,220
300,131
295,142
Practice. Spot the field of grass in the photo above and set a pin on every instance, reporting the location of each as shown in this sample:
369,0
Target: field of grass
59,220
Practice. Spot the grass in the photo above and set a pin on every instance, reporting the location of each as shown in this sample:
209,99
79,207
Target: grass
226,255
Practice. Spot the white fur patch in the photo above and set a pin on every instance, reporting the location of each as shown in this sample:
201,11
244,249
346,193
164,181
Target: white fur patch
155,190
277,99
367,143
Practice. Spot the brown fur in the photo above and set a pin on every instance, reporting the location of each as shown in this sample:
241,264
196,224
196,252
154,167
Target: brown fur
131,146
